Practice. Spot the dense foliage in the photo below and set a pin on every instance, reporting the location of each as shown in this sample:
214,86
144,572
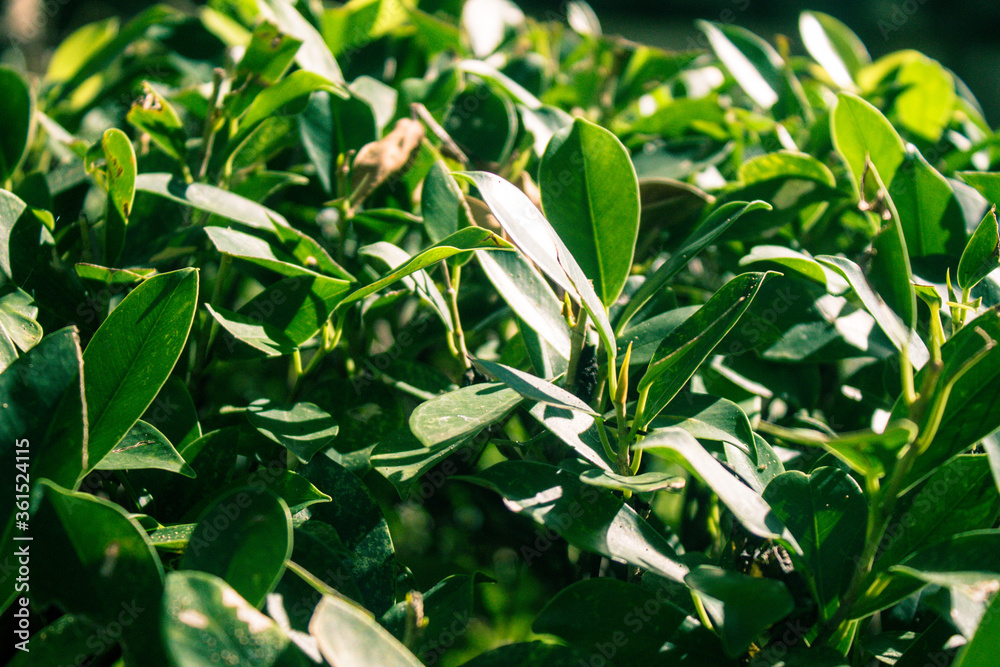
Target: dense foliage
377,336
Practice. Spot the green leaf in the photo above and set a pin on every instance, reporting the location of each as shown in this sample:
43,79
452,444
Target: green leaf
982,649
132,354
712,418
972,410
470,238
358,521
590,195
536,238
203,619
960,496
155,116
827,513
532,387
676,445
403,459
144,447
800,262
259,335
927,101
757,68
528,295
418,281
16,119
61,643
860,131
585,516
930,213
82,44
268,55
304,429
643,483
121,170
489,134
18,323
531,654
441,203
101,550
718,221
986,183
890,322
322,127
982,254
963,559
577,429
211,200
347,635
33,387
289,94
461,414
447,609
313,55
741,607
834,46
686,347
642,616
243,537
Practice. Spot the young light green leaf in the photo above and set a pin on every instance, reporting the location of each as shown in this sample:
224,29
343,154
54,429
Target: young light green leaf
121,171
155,116
590,196
982,254
860,132
313,55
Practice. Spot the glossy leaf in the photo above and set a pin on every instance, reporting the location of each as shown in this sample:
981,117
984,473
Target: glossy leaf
982,254
121,171
211,200
930,213
590,196
204,618
132,354
834,46
243,537
536,238
16,120
144,447
741,606
532,387
314,55
982,648
860,131
462,413
701,236
686,347
676,445
103,547
304,429
586,517
827,513
155,116
347,635
528,295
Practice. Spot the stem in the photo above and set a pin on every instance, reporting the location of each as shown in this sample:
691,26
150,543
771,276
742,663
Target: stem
457,336
906,375
211,329
208,132
577,339
612,454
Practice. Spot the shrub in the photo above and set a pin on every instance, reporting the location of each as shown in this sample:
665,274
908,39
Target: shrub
377,336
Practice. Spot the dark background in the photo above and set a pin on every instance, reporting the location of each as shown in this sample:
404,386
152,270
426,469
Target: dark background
964,35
